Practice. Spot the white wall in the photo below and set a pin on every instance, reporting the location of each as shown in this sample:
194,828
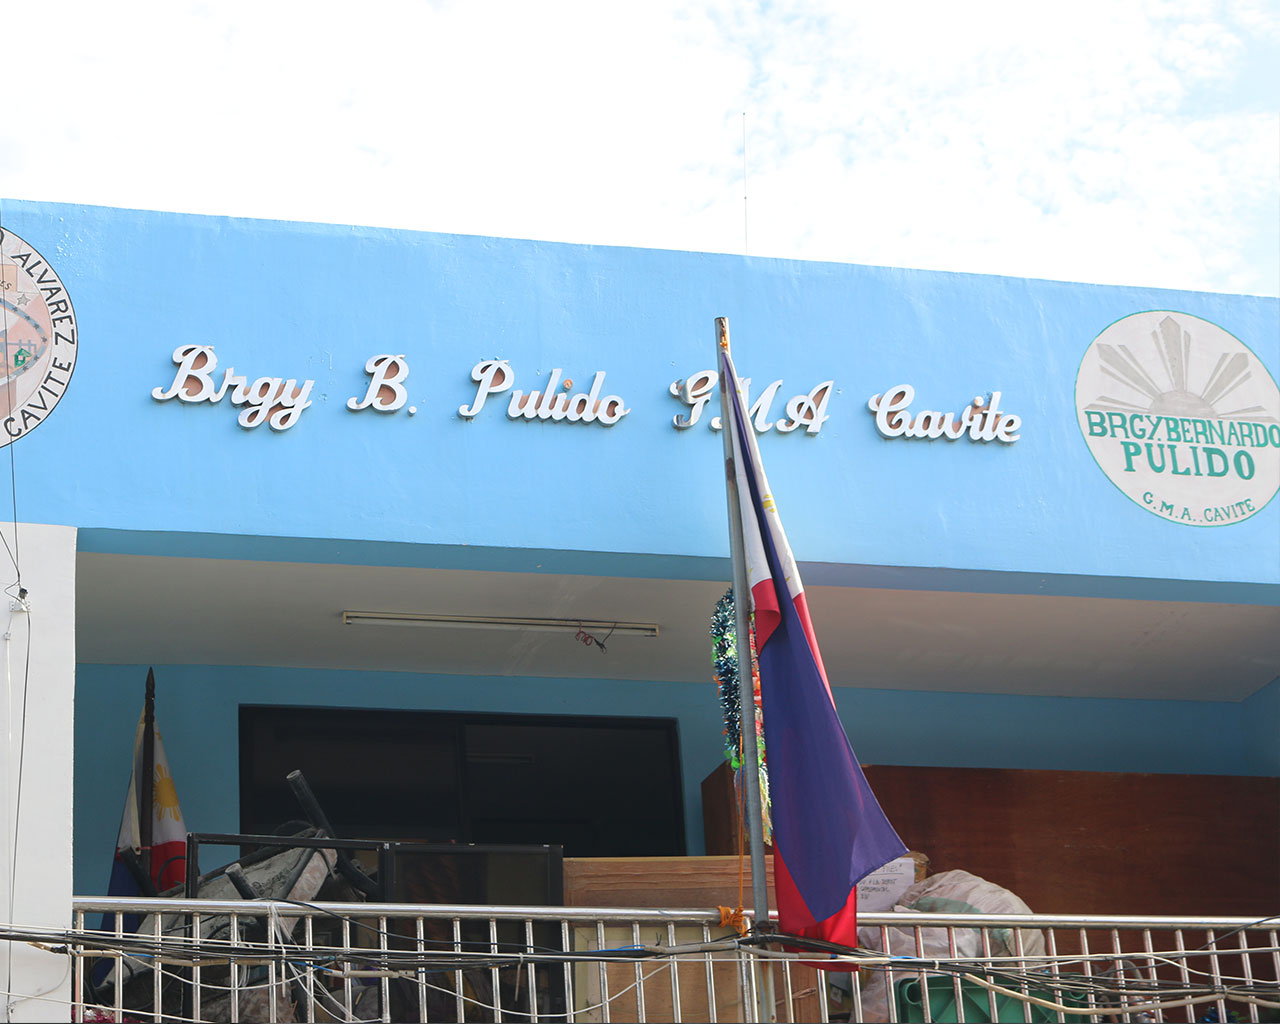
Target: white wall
37,665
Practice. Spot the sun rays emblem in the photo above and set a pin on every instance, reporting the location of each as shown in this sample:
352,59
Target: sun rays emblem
1183,417
165,795
1172,344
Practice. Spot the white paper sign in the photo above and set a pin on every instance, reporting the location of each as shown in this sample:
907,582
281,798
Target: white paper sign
880,890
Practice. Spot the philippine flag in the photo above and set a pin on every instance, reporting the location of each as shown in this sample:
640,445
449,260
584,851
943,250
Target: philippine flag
828,829
168,831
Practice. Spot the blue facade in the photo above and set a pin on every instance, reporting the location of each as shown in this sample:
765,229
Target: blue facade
640,499
303,301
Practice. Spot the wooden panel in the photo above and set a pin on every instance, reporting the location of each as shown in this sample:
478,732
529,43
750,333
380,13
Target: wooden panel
720,813
627,983
1078,842
671,882
626,980
1096,842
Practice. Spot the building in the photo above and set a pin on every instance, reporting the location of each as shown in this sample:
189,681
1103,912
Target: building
257,427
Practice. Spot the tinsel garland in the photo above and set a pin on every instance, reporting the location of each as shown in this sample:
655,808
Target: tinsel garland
724,659
724,663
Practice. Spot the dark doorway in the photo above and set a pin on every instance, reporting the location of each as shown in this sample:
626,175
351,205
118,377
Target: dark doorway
598,787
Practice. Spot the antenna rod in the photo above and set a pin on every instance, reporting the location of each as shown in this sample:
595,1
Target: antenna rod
745,247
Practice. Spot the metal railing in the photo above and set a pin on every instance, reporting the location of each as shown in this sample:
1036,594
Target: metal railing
206,960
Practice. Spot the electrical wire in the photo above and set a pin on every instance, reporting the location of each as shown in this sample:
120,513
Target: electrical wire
1042,974
11,1002
1188,998
22,747
491,947
1105,1011
13,471
205,954
289,962
309,988
1126,984
13,825
207,946
1236,931
15,558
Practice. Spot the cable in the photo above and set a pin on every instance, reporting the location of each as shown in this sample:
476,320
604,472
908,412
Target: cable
22,747
1124,982
1189,997
15,819
14,557
396,935
13,470
11,1002
1235,931
211,944
414,977
1110,1010
309,988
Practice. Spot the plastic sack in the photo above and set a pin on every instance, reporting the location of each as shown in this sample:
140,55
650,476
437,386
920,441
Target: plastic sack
948,892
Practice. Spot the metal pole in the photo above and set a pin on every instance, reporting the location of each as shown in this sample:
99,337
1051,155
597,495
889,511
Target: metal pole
746,697
146,797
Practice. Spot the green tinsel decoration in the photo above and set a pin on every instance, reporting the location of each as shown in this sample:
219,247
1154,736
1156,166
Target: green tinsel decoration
724,656
724,660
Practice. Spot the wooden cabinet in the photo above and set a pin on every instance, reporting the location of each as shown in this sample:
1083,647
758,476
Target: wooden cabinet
670,882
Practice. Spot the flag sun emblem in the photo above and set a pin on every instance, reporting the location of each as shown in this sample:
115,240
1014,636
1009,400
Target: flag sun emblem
165,794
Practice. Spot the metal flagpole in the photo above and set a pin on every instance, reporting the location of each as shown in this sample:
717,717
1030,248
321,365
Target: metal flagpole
146,798
746,696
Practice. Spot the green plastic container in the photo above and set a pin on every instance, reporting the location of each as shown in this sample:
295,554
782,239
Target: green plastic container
977,1003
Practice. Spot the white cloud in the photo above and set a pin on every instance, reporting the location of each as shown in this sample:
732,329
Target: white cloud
1108,142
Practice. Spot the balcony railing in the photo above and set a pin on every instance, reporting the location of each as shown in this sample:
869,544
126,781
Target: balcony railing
205,960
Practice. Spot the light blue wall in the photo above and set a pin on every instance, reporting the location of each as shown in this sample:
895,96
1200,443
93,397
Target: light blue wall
317,301
971,730
197,709
636,499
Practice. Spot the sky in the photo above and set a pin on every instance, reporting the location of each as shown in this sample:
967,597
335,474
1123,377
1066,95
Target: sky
1112,141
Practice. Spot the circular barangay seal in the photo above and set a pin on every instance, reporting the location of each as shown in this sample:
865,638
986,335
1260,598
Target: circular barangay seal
1182,417
38,329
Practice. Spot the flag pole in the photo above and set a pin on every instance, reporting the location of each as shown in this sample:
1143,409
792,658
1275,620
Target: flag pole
146,810
741,607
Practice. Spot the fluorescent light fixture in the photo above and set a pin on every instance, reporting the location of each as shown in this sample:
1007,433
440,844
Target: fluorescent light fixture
598,627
